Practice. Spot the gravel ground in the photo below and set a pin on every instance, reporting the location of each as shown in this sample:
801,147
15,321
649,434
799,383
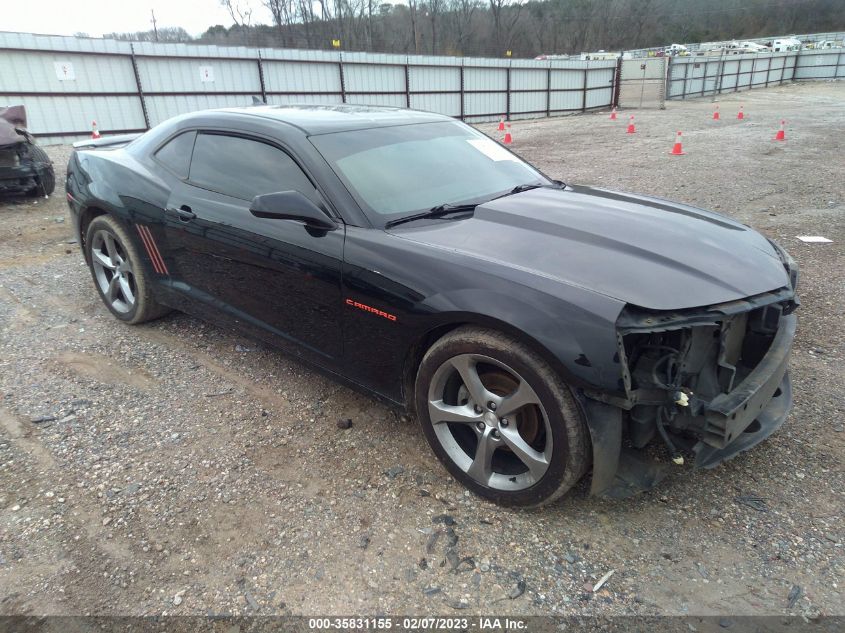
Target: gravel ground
175,468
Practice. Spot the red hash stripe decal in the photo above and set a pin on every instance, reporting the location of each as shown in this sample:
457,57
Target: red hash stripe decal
152,250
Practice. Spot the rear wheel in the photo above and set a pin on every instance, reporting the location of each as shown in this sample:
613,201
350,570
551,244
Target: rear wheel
118,273
500,419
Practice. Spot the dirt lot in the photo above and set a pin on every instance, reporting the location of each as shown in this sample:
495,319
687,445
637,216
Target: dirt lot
178,468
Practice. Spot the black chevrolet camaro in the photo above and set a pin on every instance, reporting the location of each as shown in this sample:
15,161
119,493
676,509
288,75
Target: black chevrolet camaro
538,330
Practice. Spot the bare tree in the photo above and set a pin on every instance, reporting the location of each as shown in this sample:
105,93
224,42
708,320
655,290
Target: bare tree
527,27
504,23
435,8
462,12
165,34
280,10
415,34
241,14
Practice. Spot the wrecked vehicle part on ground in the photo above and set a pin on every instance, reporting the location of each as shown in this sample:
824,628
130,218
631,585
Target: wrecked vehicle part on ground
537,329
24,167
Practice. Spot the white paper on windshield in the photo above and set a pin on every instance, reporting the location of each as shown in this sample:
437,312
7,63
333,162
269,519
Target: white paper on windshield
491,149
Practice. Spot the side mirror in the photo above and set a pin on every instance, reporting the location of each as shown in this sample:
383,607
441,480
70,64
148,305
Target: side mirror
291,205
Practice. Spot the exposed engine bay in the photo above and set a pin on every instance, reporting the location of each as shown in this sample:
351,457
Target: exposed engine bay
710,381
676,373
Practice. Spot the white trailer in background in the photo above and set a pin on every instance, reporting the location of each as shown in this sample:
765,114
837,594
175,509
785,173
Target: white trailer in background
785,45
605,55
676,49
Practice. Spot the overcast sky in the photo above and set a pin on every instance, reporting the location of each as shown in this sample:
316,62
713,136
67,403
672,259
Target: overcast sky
95,17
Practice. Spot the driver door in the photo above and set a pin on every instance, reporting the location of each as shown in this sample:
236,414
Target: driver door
275,278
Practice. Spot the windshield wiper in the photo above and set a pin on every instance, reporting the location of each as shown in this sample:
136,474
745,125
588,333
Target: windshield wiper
556,184
439,211
442,210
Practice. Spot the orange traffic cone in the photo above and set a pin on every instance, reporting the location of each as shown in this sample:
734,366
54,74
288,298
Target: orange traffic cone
716,114
613,114
631,128
508,137
501,124
781,135
677,150
740,115
94,132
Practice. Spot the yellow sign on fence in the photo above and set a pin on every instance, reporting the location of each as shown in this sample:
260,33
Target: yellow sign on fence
336,43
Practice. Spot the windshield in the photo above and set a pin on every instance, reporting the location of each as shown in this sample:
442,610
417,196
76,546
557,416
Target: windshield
402,170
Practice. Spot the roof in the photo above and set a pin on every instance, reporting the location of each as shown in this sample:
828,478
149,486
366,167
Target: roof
323,119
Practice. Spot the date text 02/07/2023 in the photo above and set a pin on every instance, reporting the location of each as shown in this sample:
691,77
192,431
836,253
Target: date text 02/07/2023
479,623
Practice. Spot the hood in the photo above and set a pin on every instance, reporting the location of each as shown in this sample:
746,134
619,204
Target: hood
644,251
10,118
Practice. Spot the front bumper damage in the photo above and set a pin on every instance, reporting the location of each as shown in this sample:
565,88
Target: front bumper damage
708,384
757,407
19,174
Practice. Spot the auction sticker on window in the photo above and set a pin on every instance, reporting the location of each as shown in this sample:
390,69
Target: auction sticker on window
491,149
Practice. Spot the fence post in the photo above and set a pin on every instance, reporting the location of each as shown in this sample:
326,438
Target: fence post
617,80
463,111
342,78
687,64
769,70
261,78
408,85
751,79
795,64
584,88
508,88
549,90
720,73
138,86
667,72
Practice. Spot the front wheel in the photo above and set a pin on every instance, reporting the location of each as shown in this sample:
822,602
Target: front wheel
500,419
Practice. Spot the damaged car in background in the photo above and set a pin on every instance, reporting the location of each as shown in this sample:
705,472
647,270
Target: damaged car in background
24,167
539,331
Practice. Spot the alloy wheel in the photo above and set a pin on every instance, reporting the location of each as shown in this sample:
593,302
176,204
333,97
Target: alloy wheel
490,422
113,271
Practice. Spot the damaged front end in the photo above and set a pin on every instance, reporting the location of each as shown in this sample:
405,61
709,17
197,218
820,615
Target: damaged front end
712,382
18,174
24,167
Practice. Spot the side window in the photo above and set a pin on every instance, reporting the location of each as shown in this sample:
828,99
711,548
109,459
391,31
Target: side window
176,155
243,168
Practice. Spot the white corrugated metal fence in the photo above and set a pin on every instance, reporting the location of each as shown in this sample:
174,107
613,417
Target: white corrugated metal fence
67,82
701,76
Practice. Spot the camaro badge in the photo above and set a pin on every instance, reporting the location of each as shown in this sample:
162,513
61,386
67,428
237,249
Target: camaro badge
371,310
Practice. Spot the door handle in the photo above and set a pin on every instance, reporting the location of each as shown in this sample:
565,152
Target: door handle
183,213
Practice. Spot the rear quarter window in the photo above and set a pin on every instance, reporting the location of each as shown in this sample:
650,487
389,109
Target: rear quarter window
176,154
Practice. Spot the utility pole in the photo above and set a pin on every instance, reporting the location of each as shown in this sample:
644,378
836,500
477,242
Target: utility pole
155,30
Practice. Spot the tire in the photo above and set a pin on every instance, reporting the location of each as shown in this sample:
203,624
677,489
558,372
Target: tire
118,272
532,435
46,175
